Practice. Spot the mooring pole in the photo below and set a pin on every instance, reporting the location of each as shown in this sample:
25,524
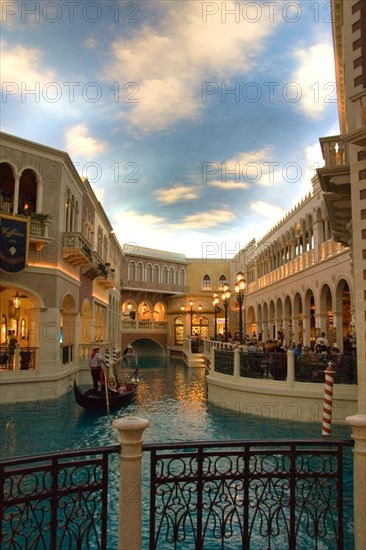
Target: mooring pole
328,399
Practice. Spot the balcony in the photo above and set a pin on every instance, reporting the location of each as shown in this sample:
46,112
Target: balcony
335,182
76,249
165,288
38,234
129,325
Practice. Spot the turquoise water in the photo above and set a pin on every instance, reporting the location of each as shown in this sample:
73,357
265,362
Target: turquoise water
173,398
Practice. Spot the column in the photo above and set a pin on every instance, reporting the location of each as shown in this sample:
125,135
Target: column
306,320
130,431
290,366
338,324
236,362
16,194
44,334
358,423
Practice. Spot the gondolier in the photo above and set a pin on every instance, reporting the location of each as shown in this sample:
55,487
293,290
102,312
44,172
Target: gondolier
96,362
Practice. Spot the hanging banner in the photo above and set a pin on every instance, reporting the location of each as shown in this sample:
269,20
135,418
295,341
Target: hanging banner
14,239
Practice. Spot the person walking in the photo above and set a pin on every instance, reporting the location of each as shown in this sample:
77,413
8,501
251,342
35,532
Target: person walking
96,363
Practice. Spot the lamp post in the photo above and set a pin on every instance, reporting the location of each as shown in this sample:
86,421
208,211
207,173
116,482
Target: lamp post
239,290
191,313
216,310
226,299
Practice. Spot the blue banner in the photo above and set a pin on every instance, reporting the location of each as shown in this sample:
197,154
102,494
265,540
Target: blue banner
14,236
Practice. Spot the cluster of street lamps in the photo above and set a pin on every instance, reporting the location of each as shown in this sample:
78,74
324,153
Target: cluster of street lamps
225,296
191,312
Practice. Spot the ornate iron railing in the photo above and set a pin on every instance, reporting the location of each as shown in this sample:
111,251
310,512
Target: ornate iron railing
224,361
56,502
310,368
253,494
273,366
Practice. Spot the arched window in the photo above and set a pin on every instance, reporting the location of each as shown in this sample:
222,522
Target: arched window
7,183
156,274
27,192
206,283
105,249
182,277
222,281
139,271
178,331
131,270
100,242
149,273
165,275
171,276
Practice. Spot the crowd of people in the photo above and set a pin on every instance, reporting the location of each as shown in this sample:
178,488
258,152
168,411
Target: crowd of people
256,344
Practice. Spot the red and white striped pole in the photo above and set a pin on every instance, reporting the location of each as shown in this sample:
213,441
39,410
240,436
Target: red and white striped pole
328,399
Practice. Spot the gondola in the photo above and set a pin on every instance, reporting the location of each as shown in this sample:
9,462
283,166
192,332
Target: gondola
97,401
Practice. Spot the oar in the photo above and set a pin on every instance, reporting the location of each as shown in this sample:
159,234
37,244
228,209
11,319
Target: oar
106,378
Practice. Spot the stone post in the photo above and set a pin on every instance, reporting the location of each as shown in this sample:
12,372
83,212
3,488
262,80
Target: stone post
236,362
358,423
130,429
212,361
290,366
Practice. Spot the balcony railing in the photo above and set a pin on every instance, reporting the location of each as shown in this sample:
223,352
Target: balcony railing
164,287
335,151
129,325
76,249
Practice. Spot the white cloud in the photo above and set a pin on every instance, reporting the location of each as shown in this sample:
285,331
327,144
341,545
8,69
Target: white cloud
269,211
80,143
228,184
203,220
315,79
171,62
177,194
259,167
24,68
90,43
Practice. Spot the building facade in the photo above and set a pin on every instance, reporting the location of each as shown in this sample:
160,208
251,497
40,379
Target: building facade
68,295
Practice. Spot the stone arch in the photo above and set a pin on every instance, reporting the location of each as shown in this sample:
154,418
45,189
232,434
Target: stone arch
7,187
251,321
68,319
159,313
87,324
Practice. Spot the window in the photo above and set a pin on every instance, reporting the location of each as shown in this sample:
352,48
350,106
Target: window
206,283
222,281
182,277
171,276
149,273
131,270
165,275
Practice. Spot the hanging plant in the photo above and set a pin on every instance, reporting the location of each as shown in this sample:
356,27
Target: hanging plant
40,217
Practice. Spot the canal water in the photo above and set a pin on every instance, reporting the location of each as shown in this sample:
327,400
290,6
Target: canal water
173,398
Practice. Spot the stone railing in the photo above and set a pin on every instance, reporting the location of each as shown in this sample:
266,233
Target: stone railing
148,285
335,151
147,326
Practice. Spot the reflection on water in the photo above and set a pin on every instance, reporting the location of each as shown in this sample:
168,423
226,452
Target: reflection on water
170,395
173,398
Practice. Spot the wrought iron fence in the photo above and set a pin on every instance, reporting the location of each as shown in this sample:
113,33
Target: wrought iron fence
23,358
269,365
310,368
247,495
224,361
56,501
